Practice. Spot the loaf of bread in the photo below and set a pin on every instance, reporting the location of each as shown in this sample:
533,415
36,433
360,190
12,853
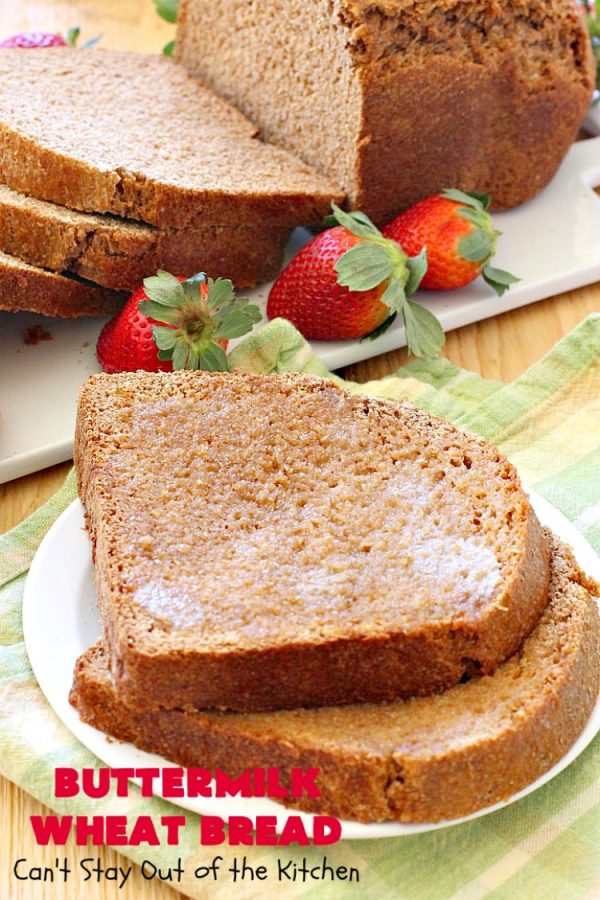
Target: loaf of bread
133,134
271,541
396,100
119,254
421,760
28,288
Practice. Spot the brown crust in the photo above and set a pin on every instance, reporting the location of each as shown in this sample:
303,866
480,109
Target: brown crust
120,254
511,156
422,760
27,288
154,667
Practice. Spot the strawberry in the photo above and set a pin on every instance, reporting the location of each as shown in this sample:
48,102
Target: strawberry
351,282
34,40
175,323
460,238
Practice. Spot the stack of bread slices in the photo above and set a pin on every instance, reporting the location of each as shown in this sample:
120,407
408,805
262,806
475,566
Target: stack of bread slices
289,575
115,164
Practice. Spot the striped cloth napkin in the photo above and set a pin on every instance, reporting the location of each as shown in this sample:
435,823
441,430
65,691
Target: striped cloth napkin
548,423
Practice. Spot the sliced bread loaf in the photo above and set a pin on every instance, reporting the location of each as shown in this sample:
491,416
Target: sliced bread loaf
135,135
29,288
271,541
119,254
395,99
420,760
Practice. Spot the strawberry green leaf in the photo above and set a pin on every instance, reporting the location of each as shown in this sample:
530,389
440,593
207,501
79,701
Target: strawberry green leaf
476,201
193,359
169,48
167,9
165,289
220,293
157,311
498,279
214,359
476,216
234,322
360,217
164,338
357,224
164,354
417,268
364,266
381,329
73,36
394,296
180,356
424,334
91,42
476,246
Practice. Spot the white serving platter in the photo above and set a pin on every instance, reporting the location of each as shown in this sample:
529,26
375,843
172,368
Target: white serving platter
551,243
60,621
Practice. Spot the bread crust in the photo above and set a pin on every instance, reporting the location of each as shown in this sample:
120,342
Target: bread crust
119,254
28,288
421,760
361,656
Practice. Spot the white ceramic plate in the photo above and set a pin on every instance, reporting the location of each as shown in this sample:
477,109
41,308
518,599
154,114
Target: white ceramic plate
552,244
60,621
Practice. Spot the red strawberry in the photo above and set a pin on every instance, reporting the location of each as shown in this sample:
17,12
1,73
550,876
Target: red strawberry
350,282
460,238
175,323
309,294
32,40
35,40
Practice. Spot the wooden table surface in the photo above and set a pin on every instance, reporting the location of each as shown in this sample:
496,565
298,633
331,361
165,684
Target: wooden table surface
497,348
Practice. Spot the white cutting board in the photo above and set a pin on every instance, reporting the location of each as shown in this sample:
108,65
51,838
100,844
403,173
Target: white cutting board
552,244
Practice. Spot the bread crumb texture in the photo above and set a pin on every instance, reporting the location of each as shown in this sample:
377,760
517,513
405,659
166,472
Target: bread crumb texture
151,143
245,525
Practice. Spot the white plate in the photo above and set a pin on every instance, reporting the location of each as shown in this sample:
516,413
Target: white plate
60,621
552,244
591,122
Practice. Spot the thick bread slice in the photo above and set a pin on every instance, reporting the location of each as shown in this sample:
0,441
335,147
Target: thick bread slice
133,134
119,254
420,760
397,99
270,541
28,288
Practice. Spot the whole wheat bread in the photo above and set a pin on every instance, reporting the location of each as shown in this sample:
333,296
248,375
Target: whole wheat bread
396,100
420,760
270,541
29,288
119,254
133,134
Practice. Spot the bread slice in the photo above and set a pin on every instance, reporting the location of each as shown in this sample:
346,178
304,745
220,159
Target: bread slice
397,100
119,254
133,134
421,760
271,541
29,288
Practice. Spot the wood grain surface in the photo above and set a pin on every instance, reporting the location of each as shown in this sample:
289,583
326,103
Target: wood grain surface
497,348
